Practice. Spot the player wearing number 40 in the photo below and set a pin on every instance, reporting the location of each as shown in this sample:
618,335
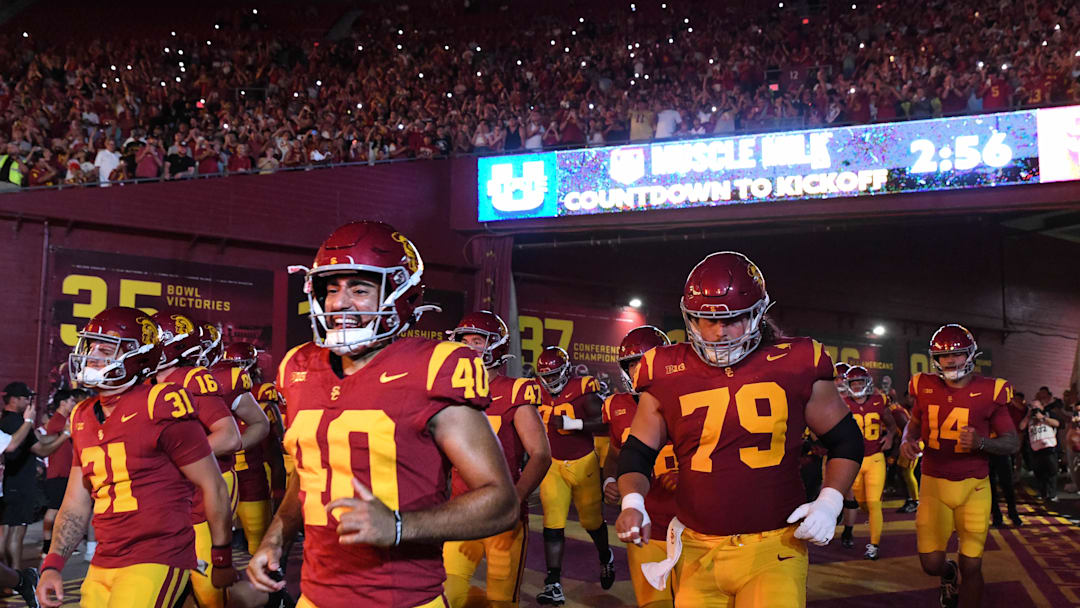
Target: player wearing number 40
734,401
373,422
138,448
961,418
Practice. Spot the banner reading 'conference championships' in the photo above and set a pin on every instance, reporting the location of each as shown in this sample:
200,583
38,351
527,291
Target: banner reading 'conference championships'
1025,147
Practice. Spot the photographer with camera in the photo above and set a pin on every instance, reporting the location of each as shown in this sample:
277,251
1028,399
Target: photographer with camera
1042,436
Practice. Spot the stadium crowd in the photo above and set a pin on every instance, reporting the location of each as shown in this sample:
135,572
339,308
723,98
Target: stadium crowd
439,80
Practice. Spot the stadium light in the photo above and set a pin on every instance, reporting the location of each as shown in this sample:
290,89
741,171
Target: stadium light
635,302
879,330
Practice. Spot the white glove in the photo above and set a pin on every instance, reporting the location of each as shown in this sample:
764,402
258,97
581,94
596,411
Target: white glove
819,517
572,424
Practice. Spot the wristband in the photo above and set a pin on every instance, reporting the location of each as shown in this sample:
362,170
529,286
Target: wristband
572,424
53,561
397,527
221,556
607,481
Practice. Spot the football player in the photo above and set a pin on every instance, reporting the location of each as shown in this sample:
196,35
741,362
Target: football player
182,351
841,369
572,411
374,423
734,401
901,414
660,502
955,412
870,412
253,507
138,449
516,422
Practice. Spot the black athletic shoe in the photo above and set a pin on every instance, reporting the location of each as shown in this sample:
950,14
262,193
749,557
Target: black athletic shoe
607,571
280,599
847,540
950,585
909,506
871,552
28,580
552,595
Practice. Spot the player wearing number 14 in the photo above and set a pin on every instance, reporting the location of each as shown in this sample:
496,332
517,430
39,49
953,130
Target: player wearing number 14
954,414
137,448
734,401
374,424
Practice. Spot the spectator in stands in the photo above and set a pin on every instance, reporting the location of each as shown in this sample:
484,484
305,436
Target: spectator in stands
179,164
106,161
12,169
668,119
534,132
268,162
207,156
240,161
642,122
149,159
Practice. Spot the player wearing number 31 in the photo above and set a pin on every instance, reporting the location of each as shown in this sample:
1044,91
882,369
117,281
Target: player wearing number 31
374,424
734,401
138,448
961,417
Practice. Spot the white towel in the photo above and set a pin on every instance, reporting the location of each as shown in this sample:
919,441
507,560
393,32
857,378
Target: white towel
657,572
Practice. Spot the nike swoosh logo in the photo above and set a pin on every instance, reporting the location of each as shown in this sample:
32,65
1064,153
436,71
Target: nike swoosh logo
975,394
783,558
128,417
774,358
384,378
980,489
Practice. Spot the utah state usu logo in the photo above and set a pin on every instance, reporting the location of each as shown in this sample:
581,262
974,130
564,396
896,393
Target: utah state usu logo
520,186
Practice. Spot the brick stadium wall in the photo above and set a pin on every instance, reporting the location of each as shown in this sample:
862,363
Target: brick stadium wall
263,222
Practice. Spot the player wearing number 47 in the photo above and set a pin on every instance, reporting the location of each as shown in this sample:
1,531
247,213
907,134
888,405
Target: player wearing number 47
138,448
962,418
374,423
734,401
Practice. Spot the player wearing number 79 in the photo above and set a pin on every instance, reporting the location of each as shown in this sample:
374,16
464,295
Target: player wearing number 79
138,448
734,401
961,417
374,424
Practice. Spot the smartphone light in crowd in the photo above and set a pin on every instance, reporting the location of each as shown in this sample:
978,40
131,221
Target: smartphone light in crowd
104,86
805,21
1044,43
590,106
399,47
217,27
633,7
26,34
712,61
980,65
208,43
519,62
177,79
879,330
243,92
664,6
781,5
851,91
582,64
1077,54
399,32
420,75
359,106
359,47
295,94
566,49
254,11
552,42
477,49
852,7
573,32
162,83
581,20
173,33
690,30
1057,28
671,41
686,20
179,51
1004,67
862,45
201,103
714,109
400,126
635,302
774,87
446,47
129,66
892,58
646,76
449,95
166,49
225,126
479,73
318,83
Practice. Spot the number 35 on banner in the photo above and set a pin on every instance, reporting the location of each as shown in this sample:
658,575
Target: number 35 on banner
95,292
532,335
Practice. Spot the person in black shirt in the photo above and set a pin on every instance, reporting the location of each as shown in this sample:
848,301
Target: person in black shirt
21,488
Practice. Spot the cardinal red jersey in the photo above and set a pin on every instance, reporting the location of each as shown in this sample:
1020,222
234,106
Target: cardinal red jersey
233,382
205,394
944,411
373,425
869,415
900,415
250,474
569,445
507,395
59,461
132,458
619,410
736,429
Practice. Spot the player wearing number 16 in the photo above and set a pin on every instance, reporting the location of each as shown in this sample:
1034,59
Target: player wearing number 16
374,424
735,401
955,413
138,449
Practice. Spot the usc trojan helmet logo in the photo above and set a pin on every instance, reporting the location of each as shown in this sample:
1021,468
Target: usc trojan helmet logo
755,274
149,330
183,324
411,258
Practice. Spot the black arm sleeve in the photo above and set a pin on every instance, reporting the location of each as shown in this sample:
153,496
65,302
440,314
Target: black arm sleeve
844,440
636,457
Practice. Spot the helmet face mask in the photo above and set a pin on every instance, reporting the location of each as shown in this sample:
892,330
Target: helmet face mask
633,346
241,354
374,253
553,369
211,345
180,339
725,286
953,339
115,350
858,374
491,338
